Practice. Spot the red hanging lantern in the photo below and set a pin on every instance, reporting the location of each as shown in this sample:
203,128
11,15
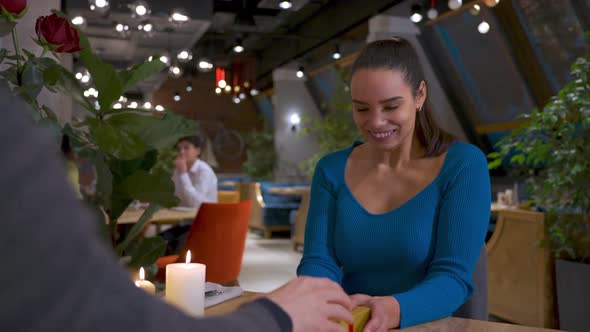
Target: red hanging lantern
220,80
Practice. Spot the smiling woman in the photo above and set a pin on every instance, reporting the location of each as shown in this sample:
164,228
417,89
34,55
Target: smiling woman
389,219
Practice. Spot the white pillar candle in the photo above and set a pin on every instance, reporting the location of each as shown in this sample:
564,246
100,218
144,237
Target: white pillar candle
144,284
185,286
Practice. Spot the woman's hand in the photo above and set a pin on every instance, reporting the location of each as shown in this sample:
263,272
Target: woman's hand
181,166
385,311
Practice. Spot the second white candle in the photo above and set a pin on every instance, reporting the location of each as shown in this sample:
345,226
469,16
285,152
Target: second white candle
185,286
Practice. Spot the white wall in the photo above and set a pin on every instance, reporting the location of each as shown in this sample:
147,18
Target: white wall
290,96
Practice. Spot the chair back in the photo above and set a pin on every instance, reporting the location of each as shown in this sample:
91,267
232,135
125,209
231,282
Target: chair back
228,196
477,306
217,238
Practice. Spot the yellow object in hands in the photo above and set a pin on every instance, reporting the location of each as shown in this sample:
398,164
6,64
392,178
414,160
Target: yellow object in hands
360,317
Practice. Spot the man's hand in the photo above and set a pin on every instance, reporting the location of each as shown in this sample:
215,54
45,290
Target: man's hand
314,304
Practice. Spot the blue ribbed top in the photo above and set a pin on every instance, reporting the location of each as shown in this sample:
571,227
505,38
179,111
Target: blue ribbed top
423,253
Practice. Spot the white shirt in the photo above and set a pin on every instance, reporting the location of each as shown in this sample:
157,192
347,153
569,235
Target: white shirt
198,185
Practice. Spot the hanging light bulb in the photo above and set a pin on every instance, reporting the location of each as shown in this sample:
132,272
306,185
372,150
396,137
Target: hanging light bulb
475,9
455,4
147,105
483,27
189,87
178,16
100,6
239,48
416,16
117,106
177,96
242,96
300,73
236,100
133,104
184,56
148,28
336,55
159,108
432,13
227,88
140,9
218,90
253,92
222,84
285,4
175,71
491,3
79,22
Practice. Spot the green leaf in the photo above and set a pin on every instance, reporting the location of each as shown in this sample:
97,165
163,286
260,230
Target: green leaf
140,72
3,53
151,188
148,251
61,79
138,227
116,142
104,181
105,78
32,79
157,133
495,164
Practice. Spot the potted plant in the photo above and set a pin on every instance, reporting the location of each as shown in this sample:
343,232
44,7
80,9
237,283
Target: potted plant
124,144
336,129
261,155
552,148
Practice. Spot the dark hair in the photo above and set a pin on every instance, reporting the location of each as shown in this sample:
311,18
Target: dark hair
398,54
194,140
66,147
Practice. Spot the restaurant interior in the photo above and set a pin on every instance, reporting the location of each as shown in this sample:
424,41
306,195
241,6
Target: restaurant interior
266,87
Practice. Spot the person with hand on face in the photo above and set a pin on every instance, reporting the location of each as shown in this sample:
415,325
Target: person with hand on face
399,220
78,285
194,180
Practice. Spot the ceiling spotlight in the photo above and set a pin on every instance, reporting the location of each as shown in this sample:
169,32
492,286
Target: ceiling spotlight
227,89
246,84
222,84
242,96
175,71
79,21
184,56
122,29
237,88
85,78
189,87
117,106
455,4
239,48
159,108
178,16
147,105
122,99
237,100
285,4
140,9
432,13
253,92
133,104
119,27
101,6
336,55
483,27
218,90
300,72
177,96
163,58
79,76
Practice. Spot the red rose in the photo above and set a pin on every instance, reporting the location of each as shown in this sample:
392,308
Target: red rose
57,31
14,6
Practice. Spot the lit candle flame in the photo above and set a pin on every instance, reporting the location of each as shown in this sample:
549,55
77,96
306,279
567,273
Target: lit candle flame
188,256
141,274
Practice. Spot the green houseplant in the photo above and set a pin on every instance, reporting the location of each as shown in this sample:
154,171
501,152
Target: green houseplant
261,155
551,148
124,144
336,129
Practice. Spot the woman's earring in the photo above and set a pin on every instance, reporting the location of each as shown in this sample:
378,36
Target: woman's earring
419,108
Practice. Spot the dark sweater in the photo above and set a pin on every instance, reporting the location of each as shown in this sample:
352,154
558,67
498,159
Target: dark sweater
56,274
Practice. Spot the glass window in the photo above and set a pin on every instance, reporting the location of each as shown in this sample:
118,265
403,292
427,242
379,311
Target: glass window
555,33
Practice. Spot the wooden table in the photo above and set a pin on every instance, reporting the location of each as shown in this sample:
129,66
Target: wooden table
450,324
295,190
162,217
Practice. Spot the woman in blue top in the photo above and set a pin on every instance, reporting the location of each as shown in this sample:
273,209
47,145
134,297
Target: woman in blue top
399,220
